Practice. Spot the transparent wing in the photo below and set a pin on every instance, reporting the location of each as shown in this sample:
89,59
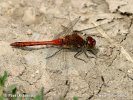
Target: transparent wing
65,71
68,30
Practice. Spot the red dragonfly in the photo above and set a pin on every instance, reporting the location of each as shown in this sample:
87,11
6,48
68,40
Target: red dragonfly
68,39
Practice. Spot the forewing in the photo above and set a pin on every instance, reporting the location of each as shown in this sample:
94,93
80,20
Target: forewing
68,30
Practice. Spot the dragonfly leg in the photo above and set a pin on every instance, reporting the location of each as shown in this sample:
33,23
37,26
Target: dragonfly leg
92,52
86,54
77,54
54,53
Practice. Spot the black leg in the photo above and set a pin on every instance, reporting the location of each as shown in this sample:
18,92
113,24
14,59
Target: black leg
54,53
86,54
77,54
91,51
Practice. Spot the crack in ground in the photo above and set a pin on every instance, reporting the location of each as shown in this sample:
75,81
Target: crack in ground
124,38
126,74
50,90
102,78
99,90
90,97
22,71
20,75
128,31
128,15
113,60
68,88
28,81
37,79
129,77
117,9
131,23
103,84
115,57
24,80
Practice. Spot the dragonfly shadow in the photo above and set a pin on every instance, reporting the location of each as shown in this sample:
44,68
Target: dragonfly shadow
94,50
37,48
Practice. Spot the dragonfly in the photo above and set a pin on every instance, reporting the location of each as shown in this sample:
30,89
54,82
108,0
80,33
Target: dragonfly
68,39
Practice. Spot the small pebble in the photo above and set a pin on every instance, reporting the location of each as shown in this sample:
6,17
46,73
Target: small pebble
33,75
130,71
29,32
37,72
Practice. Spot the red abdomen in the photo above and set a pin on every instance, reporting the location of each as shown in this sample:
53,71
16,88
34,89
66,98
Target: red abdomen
57,42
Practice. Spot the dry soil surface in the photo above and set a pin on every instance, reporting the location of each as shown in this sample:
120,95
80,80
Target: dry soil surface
109,76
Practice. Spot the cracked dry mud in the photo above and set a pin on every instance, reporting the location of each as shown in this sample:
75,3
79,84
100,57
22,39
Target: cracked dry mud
109,76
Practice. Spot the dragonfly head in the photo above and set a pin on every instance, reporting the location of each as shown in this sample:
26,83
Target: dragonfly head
91,42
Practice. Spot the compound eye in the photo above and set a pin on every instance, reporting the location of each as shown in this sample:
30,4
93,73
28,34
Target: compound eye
91,41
